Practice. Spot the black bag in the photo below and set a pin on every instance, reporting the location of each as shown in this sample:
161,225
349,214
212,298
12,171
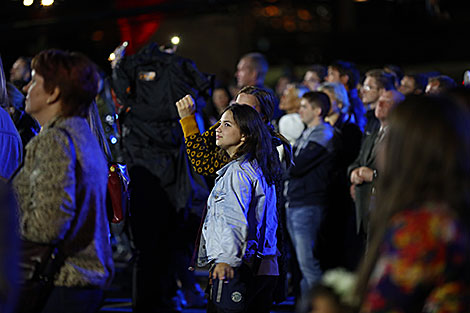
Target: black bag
39,263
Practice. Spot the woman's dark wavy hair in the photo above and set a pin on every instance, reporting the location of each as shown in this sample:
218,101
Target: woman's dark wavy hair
258,141
426,157
74,74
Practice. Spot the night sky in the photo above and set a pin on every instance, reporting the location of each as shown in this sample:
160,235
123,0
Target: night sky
292,34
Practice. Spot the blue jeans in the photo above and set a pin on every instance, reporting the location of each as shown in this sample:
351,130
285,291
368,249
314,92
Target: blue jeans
303,224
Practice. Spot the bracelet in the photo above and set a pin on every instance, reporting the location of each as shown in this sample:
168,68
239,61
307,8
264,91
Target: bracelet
374,175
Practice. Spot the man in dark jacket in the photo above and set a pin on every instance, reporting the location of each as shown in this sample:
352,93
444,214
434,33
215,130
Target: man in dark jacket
307,184
13,101
363,171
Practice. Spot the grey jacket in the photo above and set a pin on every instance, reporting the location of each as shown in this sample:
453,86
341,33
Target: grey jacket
236,207
58,185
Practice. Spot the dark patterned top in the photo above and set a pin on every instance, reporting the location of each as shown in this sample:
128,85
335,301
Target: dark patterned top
206,158
61,193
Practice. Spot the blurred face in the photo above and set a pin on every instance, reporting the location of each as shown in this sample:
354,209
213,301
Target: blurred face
228,136
407,85
37,97
281,85
250,100
246,75
290,101
333,75
220,99
369,91
334,103
311,80
19,71
385,104
308,113
432,87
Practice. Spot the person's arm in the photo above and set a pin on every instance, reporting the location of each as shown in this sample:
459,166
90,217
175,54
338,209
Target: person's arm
231,217
11,148
122,79
358,172
204,155
50,208
353,168
9,247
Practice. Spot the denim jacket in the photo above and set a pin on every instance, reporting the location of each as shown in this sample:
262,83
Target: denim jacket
235,217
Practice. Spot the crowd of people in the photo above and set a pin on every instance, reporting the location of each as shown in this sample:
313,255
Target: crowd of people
272,191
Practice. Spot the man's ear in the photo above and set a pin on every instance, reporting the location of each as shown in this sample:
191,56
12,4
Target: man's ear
54,95
318,111
254,74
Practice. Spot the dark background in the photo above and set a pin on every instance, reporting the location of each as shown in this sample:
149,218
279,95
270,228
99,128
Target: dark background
418,35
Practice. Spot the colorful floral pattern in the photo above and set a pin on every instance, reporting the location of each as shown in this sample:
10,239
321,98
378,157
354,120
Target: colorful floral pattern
421,265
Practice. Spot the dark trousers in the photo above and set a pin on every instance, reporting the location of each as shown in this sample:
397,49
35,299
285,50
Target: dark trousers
74,300
259,294
153,229
186,232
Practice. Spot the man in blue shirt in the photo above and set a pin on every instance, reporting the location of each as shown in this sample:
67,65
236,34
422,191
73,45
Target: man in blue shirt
307,184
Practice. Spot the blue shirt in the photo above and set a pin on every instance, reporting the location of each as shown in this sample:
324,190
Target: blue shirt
11,148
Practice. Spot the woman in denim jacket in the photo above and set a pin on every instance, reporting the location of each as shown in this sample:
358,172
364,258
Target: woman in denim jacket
239,231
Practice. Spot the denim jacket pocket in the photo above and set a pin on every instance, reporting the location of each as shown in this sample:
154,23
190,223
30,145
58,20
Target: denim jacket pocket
218,199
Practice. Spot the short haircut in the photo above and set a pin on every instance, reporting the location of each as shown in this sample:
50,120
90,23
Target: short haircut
347,68
445,82
258,63
27,62
395,70
383,79
319,69
300,89
318,99
420,81
73,73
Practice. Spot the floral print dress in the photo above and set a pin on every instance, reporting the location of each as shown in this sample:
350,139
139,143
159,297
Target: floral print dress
422,265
